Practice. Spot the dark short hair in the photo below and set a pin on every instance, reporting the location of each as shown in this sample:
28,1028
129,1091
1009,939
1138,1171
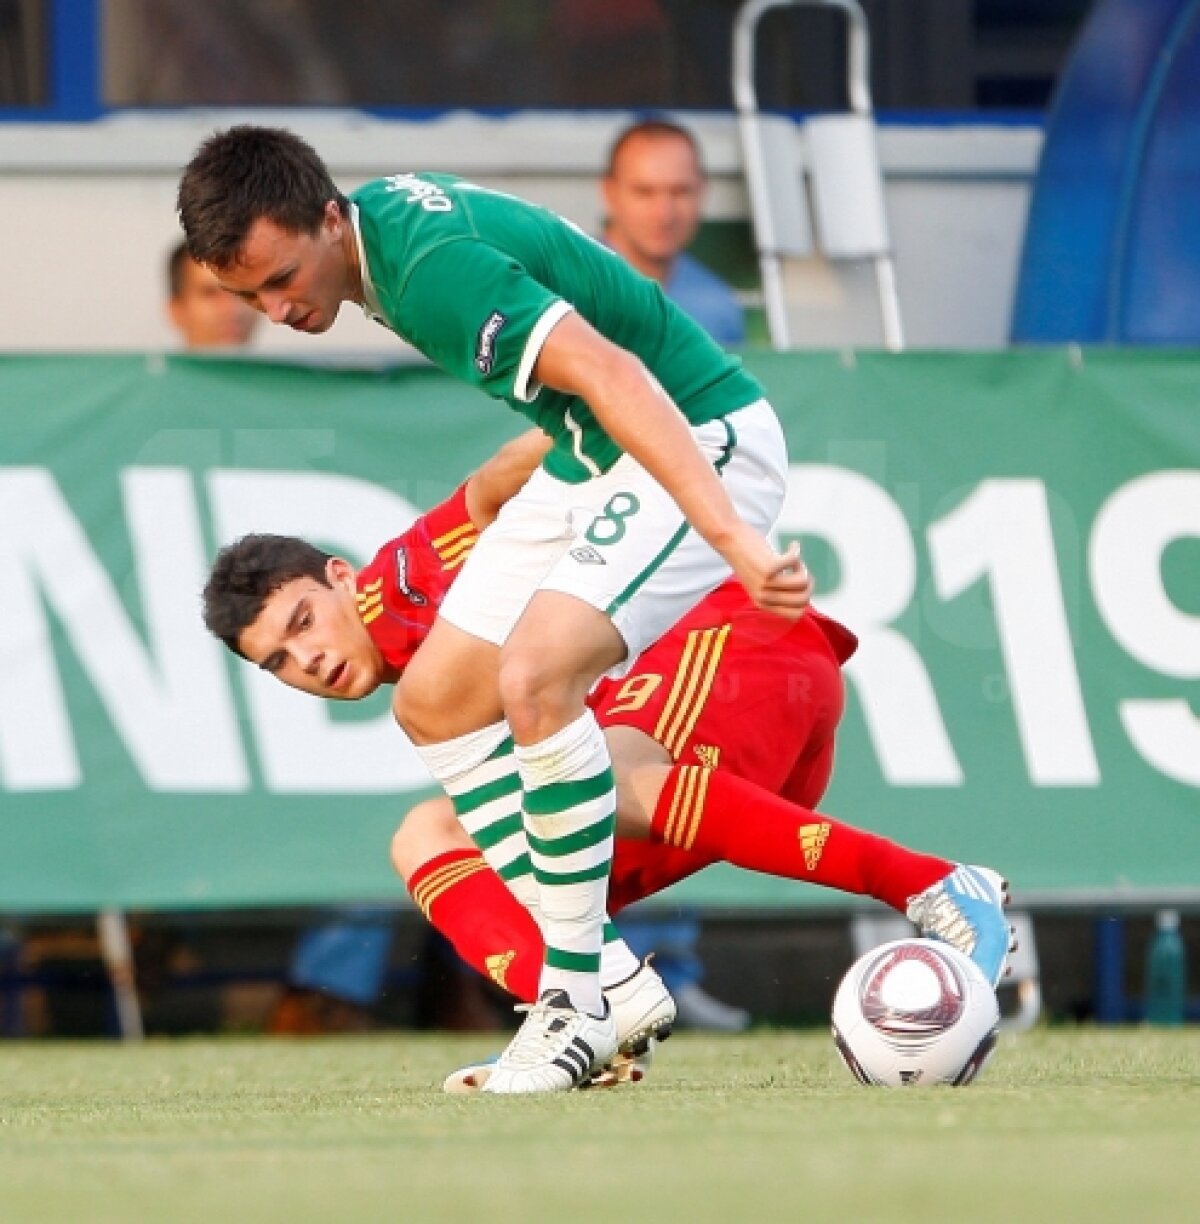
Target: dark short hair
247,573
652,128
247,173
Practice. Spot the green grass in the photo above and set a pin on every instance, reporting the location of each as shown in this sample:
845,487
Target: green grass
1065,1125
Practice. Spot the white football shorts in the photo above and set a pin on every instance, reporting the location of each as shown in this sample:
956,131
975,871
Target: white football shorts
619,542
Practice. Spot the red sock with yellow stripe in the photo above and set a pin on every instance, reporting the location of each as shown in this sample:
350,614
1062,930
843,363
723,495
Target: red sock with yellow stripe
718,814
489,928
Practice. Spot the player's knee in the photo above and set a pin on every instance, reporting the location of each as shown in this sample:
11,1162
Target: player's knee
430,829
535,694
523,689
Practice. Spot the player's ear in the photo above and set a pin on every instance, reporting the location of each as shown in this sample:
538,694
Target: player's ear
339,573
333,220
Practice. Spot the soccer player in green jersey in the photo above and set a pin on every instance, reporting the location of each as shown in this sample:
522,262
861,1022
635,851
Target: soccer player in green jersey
667,467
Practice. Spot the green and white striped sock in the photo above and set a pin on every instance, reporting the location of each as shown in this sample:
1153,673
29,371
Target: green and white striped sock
489,808
570,815
479,773
617,961
487,799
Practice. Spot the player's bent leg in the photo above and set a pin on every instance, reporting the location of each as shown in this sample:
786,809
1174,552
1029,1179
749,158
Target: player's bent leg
641,766
478,773
549,662
488,927
966,910
720,816
642,1007
556,651
450,688
641,869
458,888
430,829
477,912
492,816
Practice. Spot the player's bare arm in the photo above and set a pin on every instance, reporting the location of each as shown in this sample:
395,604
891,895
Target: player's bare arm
501,477
639,416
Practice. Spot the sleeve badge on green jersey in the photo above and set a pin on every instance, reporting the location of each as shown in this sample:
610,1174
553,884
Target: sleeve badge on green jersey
485,345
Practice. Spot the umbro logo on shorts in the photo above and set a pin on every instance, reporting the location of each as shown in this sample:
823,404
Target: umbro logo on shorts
585,554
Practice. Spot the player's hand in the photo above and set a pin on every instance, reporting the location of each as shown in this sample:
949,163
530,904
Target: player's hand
777,582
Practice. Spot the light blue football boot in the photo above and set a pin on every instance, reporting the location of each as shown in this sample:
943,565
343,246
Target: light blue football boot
966,910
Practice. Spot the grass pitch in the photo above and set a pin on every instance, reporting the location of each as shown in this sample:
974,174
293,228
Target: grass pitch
1065,1125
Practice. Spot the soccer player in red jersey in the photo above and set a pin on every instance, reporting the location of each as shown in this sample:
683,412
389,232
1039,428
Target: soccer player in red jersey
722,735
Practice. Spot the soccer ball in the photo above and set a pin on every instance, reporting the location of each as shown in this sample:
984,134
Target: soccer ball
915,1011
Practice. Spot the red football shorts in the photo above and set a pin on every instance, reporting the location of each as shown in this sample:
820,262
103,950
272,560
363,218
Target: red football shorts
733,688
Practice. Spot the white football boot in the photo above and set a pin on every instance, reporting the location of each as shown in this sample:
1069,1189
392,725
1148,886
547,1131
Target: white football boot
643,1013
557,1048
642,1010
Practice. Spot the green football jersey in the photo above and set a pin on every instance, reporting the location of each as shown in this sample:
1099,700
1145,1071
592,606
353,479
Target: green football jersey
476,280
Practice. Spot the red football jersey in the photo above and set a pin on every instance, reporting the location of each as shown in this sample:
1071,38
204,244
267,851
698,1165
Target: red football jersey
400,592
731,686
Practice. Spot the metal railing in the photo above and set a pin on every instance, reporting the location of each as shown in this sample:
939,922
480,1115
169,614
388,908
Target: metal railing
842,165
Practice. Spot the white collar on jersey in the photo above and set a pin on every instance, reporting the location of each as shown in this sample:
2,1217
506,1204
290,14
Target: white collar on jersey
370,304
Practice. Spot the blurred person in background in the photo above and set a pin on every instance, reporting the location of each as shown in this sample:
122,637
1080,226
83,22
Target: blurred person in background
653,191
205,315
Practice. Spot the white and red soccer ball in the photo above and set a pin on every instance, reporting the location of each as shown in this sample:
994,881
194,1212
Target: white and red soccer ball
915,1012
